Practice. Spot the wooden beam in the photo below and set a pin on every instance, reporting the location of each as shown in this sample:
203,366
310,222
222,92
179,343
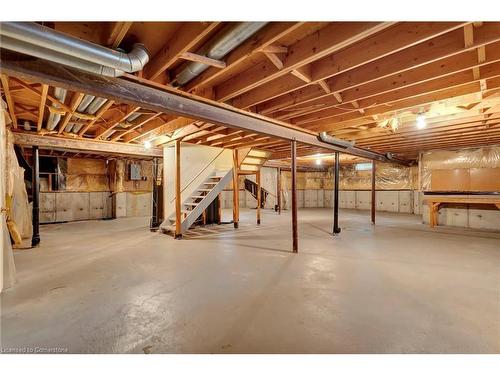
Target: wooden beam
76,99
8,97
153,130
202,59
324,86
303,73
325,41
98,115
273,49
65,143
265,37
105,131
41,110
236,190
117,34
135,126
443,46
173,102
274,59
185,38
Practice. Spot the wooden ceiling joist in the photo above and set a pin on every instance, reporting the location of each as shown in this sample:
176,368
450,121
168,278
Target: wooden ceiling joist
138,95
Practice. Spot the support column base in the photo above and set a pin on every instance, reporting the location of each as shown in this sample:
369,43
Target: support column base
35,241
178,236
258,222
236,225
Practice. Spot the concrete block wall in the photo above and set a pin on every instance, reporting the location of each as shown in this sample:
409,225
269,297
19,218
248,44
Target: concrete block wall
76,206
470,216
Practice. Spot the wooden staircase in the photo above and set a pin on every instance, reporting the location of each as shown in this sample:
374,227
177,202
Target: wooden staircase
253,160
194,206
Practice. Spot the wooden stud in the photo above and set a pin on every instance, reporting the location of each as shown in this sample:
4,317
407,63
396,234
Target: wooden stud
117,34
303,73
75,102
41,109
98,115
274,59
10,102
202,59
324,86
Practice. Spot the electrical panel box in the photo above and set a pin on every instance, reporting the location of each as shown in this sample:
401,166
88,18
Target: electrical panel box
134,172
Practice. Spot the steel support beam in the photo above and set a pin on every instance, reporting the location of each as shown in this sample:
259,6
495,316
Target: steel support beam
154,223
165,100
295,234
35,186
374,202
336,229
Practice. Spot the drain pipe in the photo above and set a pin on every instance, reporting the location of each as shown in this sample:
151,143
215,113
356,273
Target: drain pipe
36,40
223,43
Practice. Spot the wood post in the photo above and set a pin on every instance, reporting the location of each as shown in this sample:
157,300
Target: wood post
295,236
153,224
178,233
336,229
374,198
236,190
35,240
278,189
259,195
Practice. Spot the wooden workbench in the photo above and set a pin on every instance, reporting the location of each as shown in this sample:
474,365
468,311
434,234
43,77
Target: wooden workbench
434,203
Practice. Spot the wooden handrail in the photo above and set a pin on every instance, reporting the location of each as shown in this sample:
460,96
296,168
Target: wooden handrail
200,172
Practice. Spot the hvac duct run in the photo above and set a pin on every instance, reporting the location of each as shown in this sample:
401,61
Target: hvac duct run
220,46
36,40
55,116
349,147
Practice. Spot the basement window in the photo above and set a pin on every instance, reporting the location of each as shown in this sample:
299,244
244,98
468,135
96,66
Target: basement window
364,166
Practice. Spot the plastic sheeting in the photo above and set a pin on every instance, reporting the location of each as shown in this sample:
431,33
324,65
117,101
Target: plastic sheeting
389,176
470,169
7,267
21,211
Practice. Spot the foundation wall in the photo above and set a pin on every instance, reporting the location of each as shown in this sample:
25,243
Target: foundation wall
76,206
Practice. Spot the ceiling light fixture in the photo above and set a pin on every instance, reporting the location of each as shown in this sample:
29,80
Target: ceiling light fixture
421,122
147,144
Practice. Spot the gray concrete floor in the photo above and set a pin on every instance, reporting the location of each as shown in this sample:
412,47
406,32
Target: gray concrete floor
398,287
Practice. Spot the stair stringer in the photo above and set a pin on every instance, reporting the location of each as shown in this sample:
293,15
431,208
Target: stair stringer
206,201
